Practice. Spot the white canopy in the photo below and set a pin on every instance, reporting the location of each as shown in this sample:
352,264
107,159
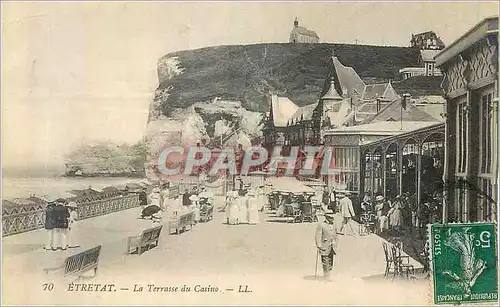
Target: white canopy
289,184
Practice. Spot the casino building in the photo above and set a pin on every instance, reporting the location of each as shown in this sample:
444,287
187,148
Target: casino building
470,67
458,158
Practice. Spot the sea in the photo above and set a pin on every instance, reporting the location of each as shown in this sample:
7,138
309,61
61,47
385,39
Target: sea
19,187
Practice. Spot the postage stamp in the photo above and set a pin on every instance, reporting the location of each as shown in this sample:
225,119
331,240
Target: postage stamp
464,263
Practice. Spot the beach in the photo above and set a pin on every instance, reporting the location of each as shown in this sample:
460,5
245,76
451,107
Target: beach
14,187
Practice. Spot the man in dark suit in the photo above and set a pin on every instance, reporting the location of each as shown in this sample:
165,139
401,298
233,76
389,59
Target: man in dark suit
143,198
185,197
49,226
61,224
325,198
326,241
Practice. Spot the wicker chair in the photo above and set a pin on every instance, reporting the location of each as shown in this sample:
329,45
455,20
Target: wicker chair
401,268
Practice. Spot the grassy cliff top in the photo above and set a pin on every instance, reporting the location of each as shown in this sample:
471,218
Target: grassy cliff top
247,72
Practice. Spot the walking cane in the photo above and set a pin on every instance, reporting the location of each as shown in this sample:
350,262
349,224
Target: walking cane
316,268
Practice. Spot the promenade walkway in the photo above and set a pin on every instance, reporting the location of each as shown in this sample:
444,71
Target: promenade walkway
275,260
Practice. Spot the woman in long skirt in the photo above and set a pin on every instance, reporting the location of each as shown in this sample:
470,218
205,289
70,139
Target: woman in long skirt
195,207
395,216
243,209
232,209
286,199
262,197
253,208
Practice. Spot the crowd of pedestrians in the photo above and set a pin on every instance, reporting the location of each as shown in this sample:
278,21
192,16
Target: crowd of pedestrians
402,212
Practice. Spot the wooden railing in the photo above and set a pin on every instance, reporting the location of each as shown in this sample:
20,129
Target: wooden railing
102,207
22,218
218,190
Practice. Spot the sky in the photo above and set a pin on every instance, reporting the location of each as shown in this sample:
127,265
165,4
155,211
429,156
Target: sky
79,72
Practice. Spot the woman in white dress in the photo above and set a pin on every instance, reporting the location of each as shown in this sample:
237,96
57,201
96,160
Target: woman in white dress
262,197
243,208
73,217
232,209
195,207
253,208
155,200
286,199
394,214
154,197
164,197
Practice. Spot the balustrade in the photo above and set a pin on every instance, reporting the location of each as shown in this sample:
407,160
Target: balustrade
21,218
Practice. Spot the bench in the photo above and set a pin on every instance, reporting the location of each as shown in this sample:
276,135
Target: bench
180,222
206,213
307,212
76,265
144,241
293,213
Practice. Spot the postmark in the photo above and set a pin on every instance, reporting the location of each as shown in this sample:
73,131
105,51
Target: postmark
464,263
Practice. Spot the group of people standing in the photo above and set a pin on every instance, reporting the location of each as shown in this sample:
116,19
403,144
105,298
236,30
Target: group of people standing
198,201
60,222
388,212
243,205
396,213
159,196
160,203
296,200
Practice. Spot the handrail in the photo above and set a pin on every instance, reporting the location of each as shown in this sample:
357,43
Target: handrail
26,218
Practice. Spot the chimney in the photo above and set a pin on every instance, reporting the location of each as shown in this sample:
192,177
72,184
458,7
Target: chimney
378,105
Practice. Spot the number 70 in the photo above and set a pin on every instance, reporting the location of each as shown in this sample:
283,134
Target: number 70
48,287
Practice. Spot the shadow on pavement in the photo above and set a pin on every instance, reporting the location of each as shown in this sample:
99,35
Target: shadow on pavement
419,276
279,220
316,277
412,244
15,249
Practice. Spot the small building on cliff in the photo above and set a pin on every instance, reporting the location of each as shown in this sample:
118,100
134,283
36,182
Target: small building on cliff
301,34
427,41
430,45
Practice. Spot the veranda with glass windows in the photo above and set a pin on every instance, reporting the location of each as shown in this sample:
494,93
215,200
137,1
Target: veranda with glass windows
410,163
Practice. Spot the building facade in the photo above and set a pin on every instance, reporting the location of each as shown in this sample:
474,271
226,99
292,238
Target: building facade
470,66
426,41
430,45
427,65
345,101
346,145
300,34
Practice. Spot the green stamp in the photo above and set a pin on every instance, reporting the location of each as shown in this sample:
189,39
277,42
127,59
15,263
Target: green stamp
464,258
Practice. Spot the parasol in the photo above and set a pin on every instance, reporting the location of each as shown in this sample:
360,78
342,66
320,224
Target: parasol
149,211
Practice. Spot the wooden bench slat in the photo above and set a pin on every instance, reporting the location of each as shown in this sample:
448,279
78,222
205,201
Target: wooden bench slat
144,240
78,264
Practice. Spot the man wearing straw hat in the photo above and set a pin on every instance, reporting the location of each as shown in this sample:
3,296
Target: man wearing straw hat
73,217
347,211
326,242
